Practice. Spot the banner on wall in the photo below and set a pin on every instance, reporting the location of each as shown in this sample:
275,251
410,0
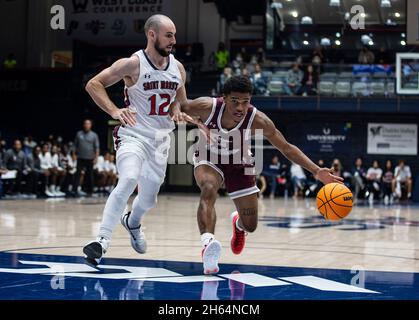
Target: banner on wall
118,21
392,138
331,138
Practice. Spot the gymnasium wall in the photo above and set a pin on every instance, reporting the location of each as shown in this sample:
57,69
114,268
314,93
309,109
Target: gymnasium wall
26,31
353,126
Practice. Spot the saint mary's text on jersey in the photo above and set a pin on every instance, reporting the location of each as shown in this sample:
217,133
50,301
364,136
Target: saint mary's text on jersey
169,85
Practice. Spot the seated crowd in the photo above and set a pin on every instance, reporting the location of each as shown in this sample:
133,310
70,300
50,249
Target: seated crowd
314,74
387,184
49,169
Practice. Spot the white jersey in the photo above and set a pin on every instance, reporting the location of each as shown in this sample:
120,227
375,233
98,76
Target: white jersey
151,97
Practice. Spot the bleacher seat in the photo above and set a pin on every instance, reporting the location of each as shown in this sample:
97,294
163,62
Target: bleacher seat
276,85
390,87
377,88
360,88
343,88
326,87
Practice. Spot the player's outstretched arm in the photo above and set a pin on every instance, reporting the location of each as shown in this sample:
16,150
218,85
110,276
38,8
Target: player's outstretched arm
290,151
96,87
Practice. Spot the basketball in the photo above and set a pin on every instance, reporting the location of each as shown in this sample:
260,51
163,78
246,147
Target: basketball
334,201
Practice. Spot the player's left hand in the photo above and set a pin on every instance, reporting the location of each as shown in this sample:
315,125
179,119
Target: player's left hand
325,175
182,118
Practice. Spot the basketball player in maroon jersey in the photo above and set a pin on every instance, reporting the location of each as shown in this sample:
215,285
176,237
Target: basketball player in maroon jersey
231,114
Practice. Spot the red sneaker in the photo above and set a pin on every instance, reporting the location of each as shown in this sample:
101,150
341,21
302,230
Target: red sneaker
238,238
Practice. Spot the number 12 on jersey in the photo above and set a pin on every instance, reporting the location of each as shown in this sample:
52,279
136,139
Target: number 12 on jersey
163,108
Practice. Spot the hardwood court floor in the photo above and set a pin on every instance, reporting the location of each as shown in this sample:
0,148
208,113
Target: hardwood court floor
290,233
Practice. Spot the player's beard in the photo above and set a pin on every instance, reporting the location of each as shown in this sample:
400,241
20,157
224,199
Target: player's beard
160,50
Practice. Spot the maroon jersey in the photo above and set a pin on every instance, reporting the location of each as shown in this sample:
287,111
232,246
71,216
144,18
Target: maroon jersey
230,153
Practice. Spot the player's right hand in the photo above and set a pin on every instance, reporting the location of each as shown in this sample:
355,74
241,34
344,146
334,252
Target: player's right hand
126,116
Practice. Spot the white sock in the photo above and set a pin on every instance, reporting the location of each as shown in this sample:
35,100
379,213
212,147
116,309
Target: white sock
129,166
237,225
206,238
144,201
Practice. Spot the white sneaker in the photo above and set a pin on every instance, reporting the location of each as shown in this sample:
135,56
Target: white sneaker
95,250
210,256
138,240
49,193
58,193
386,200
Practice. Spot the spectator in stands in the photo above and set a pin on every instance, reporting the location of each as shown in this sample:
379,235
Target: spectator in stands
227,73
2,148
15,159
71,172
309,82
245,72
48,172
28,145
10,62
317,58
111,172
258,80
237,63
3,170
314,184
261,184
260,55
100,174
64,162
402,178
387,185
374,175
293,80
86,145
298,178
358,177
58,170
34,163
272,172
222,57
366,56
337,168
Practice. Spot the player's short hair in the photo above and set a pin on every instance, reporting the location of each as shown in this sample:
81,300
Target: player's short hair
154,22
238,84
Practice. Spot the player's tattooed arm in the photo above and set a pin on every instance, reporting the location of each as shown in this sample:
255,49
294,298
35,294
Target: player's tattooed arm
127,69
290,151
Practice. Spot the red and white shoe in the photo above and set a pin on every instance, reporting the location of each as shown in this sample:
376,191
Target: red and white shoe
210,256
238,239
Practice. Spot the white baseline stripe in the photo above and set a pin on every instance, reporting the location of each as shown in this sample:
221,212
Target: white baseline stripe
325,285
185,279
254,280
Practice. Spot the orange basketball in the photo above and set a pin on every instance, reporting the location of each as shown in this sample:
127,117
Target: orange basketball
334,201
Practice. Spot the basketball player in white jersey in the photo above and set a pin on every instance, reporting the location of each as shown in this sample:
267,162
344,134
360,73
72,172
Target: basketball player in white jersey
233,116
152,79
